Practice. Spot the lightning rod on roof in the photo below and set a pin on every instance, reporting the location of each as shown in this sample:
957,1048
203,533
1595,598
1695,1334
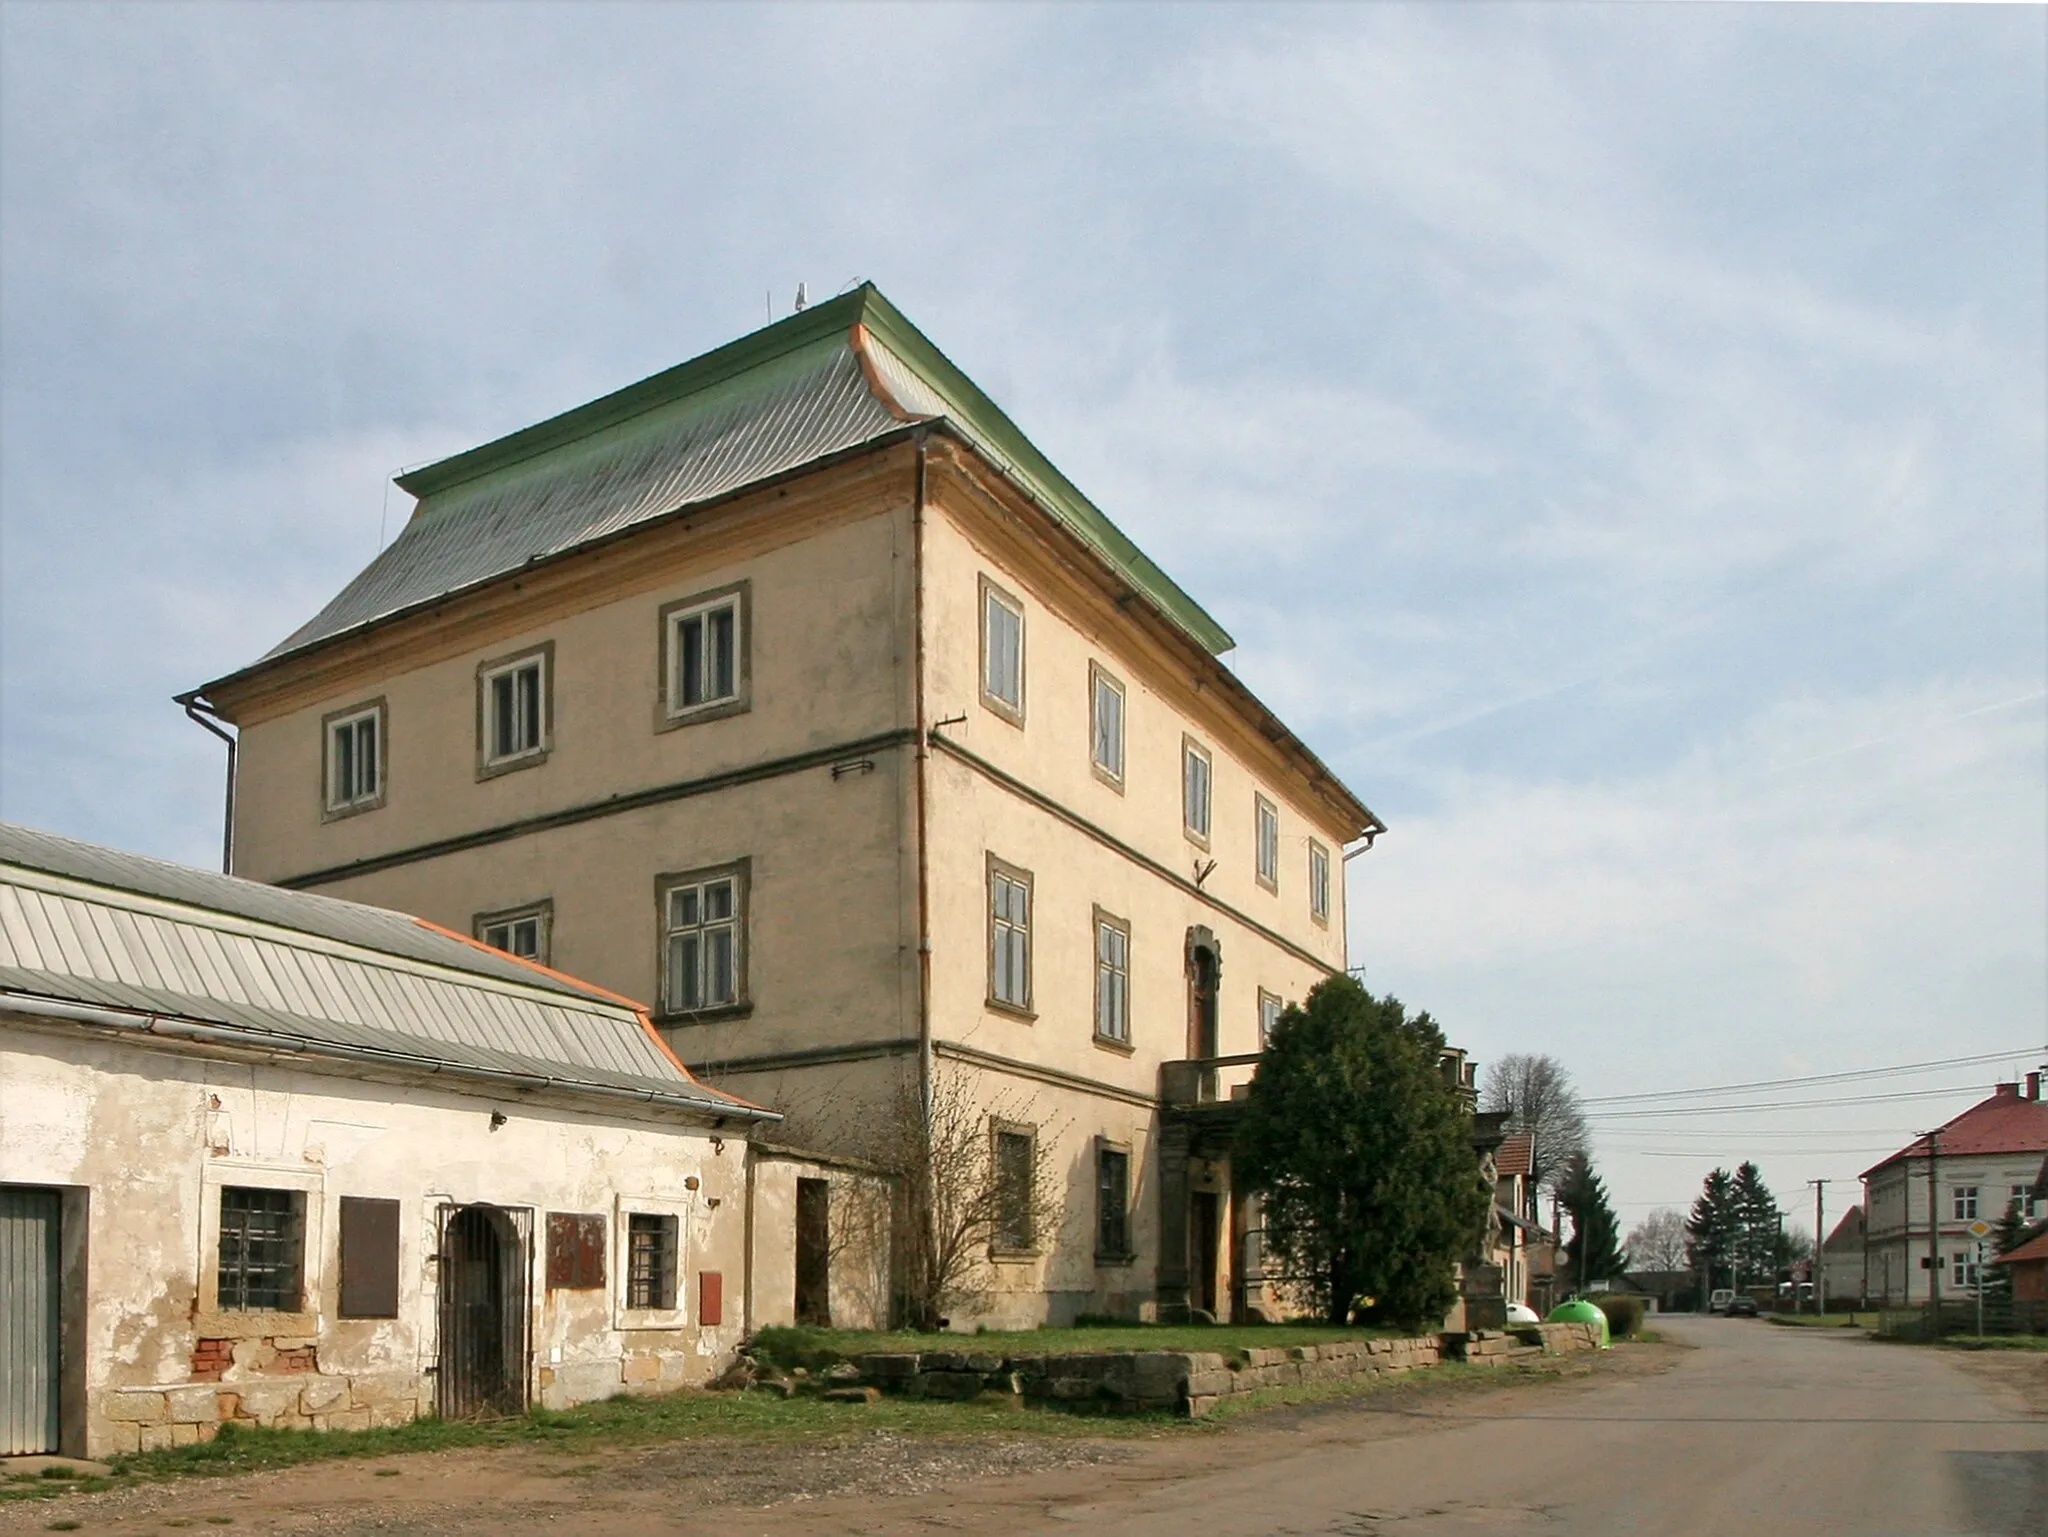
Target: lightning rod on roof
802,299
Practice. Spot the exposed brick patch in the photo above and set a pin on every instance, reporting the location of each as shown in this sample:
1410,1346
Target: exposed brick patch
301,1360
210,1358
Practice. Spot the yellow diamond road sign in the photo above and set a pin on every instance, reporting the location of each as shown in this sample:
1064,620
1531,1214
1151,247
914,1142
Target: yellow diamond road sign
1980,1229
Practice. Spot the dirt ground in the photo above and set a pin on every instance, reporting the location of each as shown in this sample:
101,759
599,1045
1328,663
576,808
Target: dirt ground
2023,1372
861,1482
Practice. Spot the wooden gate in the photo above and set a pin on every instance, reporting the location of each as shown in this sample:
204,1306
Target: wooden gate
31,1336
485,1313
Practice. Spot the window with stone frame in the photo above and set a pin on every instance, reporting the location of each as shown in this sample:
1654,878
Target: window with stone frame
1015,1154
704,938
1009,935
1112,1202
652,1242
1112,979
262,1250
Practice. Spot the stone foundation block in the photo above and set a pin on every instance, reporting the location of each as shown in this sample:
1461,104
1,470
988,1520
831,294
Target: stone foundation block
323,1394
948,1384
402,1412
157,1438
186,1434
347,1419
269,1402
192,1406
641,1369
136,1408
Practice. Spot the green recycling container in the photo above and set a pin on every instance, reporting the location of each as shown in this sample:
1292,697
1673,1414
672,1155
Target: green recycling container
1580,1312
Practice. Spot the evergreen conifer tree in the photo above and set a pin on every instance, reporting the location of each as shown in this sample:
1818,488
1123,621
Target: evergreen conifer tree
1759,1225
1362,1155
1594,1253
1713,1228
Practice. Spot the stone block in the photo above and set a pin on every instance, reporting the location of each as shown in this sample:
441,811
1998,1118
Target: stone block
402,1412
1209,1383
850,1395
294,1342
1263,1357
349,1419
120,1437
187,1434
193,1406
983,1364
227,1406
1199,1407
1158,1375
320,1395
640,1369
941,1361
887,1368
157,1438
207,1432
269,1402
136,1408
950,1384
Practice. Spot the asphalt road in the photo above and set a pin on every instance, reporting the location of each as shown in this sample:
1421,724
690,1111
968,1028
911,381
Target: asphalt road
1761,1430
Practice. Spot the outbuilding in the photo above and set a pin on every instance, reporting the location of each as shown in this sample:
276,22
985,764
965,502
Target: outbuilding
274,1158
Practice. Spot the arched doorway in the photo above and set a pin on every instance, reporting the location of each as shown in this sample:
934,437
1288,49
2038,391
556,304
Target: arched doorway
483,1313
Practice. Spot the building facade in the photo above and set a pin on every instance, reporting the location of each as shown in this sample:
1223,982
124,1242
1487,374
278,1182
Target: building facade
794,691
1965,1173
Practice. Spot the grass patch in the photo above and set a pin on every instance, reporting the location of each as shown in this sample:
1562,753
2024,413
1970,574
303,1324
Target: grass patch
813,1348
606,1425
2037,1342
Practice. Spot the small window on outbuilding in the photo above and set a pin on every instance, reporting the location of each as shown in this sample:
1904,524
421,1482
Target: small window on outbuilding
651,1243
262,1250
575,1251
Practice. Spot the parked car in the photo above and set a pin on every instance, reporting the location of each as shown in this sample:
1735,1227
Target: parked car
1741,1307
1722,1296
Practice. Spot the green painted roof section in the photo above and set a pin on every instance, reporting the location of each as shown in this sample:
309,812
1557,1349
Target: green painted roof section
946,392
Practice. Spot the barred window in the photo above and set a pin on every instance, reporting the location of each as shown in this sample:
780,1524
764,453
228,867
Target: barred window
262,1244
1112,1203
650,1261
1015,1155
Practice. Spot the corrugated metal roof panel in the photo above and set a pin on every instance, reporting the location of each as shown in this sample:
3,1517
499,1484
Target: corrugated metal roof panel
63,937
350,923
784,414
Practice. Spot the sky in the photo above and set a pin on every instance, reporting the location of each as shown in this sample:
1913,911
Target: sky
1613,433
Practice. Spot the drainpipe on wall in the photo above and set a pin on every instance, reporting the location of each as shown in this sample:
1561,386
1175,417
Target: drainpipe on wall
924,754
194,709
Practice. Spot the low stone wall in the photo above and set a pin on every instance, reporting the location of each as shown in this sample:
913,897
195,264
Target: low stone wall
147,1419
1192,1382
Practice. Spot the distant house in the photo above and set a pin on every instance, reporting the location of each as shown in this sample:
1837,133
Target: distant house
1922,1202
1515,1207
285,1160
1665,1288
2028,1267
1842,1258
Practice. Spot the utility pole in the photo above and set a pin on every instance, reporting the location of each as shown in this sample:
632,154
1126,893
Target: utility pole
1820,1296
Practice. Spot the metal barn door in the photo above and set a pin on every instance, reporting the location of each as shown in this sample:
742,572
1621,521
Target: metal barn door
30,1338
484,1311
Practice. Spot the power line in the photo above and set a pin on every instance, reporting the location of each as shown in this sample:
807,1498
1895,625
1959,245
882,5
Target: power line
1815,1078
1788,1104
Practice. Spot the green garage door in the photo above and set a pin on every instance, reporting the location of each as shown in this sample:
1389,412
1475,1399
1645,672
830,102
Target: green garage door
29,1222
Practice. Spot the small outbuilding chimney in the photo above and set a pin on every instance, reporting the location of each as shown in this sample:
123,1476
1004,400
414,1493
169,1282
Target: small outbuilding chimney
2033,1086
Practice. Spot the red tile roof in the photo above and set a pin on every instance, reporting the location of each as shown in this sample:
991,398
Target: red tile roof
2034,1248
1517,1155
2004,1123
